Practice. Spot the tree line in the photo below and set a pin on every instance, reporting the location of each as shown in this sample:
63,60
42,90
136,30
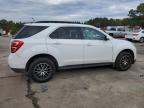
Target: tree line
136,17
104,22
10,26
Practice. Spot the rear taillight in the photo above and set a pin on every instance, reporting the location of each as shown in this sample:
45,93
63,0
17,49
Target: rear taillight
135,34
15,45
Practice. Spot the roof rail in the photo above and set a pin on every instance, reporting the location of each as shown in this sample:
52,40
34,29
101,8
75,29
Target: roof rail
58,22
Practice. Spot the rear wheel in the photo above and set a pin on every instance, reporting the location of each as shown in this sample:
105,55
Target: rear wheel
129,39
42,69
141,39
123,61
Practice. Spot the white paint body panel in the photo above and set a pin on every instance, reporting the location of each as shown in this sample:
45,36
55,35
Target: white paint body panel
97,51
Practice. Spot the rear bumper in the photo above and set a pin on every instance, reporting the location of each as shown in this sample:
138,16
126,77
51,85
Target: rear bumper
16,62
133,38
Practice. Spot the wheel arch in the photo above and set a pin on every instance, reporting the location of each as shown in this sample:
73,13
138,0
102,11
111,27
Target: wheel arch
129,51
38,56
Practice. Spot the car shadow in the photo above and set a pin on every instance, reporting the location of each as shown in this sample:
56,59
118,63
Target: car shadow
67,73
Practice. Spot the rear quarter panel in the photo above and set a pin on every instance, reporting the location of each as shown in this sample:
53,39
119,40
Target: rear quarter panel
33,46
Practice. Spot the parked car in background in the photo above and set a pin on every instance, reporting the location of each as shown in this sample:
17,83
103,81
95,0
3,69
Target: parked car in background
1,32
42,48
116,31
136,35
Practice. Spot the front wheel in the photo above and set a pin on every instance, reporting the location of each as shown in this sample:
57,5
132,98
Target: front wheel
123,61
42,69
141,40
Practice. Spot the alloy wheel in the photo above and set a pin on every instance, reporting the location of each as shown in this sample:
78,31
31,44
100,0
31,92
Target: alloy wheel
42,71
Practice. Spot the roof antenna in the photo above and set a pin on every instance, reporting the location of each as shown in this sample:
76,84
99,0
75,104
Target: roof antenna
33,20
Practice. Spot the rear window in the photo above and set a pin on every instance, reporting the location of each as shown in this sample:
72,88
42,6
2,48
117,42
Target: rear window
28,31
112,29
120,29
136,30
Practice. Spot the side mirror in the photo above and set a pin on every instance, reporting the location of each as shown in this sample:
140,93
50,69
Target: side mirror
106,38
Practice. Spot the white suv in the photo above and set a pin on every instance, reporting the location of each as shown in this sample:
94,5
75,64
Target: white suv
42,48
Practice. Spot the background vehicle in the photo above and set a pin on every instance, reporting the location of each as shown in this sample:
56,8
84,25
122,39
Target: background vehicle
136,35
42,48
1,32
117,31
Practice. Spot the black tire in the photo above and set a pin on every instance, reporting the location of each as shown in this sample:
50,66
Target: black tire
123,61
129,39
111,34
42,69
141,40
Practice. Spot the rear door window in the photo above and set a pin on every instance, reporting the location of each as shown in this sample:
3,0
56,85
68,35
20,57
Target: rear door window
67,33
28,31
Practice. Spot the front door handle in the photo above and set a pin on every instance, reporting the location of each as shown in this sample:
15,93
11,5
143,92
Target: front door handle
57,43
89,44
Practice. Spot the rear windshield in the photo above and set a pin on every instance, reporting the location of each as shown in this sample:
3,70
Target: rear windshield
28,31
136,30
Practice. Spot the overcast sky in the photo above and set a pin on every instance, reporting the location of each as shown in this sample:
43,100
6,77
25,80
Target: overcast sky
70,10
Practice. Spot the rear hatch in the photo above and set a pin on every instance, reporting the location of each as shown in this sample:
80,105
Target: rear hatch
133,33
26,32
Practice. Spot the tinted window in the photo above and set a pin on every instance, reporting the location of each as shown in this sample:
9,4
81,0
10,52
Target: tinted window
113,29
121,29
28,31
67,33
142,31
136,30
92,34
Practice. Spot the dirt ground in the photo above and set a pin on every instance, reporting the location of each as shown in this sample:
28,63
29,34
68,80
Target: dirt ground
100,87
